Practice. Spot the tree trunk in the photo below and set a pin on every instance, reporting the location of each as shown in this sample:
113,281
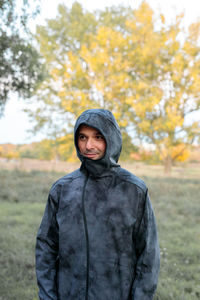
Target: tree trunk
168,164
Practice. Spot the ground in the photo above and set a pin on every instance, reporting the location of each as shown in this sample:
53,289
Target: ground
176,204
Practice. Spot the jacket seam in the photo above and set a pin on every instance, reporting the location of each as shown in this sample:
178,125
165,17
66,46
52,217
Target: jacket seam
144,190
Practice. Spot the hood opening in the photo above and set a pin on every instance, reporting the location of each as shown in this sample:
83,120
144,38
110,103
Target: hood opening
103,121
76,142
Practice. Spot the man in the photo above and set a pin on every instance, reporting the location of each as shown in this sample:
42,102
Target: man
98,237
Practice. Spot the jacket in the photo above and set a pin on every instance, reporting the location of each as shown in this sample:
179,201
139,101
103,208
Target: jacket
98,236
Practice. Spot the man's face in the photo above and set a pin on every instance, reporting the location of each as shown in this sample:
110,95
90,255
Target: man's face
91,143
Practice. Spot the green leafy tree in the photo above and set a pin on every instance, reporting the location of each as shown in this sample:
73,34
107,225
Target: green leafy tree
20,66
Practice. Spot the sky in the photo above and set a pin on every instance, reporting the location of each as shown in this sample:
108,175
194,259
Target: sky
15,125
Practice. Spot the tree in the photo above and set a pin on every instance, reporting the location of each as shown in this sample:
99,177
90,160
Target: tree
140,70
168,90
20,65
68,90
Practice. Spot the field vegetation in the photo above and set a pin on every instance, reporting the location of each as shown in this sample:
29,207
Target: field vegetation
176,203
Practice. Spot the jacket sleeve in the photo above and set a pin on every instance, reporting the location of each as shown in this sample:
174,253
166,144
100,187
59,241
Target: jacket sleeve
47,253
148,255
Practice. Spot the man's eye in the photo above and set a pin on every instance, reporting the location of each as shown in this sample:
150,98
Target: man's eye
99,137
81,137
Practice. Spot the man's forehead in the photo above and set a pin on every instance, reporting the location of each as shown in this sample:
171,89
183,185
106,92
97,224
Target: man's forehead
84,127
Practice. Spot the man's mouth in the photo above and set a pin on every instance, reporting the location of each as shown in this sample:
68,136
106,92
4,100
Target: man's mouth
91,154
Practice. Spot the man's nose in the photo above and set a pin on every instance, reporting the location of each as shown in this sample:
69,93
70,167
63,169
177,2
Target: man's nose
89,144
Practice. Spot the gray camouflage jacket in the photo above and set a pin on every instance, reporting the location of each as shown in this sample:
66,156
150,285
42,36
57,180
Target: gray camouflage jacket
98,236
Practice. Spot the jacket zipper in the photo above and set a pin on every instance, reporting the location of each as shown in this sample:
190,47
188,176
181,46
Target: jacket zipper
87,241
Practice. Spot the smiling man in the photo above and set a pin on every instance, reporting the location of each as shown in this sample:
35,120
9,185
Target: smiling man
91,142
98,236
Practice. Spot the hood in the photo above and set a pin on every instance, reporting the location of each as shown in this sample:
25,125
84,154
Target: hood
104,121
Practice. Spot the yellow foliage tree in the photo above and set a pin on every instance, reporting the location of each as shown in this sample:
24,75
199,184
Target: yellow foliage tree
1,151
167,76
126,61
9,151
66,148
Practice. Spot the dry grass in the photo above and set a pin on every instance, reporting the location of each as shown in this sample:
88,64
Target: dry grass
26,164
138,168
178,171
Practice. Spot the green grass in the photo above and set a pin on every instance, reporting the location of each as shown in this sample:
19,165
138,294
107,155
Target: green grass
18,229
176,203
22,200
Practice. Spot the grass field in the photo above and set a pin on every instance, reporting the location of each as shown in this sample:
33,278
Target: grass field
176,204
